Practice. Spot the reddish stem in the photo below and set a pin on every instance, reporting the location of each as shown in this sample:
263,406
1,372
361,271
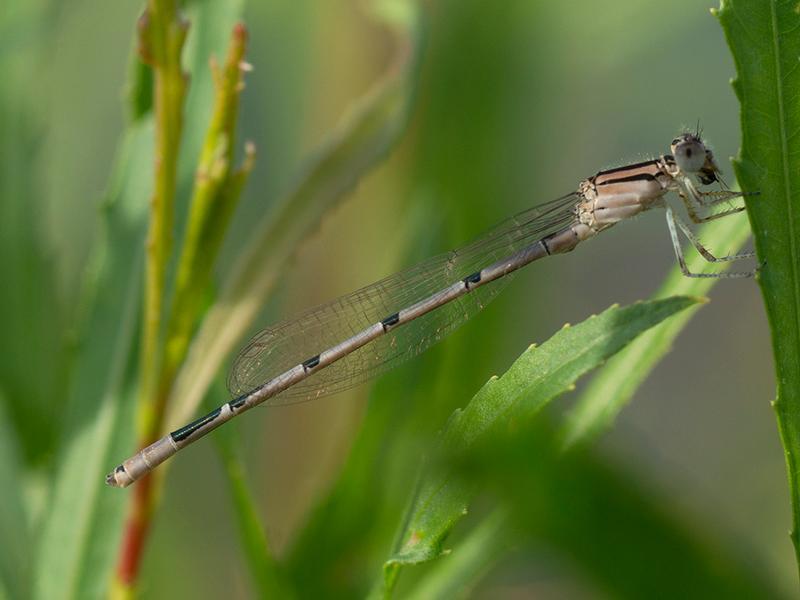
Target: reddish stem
136,530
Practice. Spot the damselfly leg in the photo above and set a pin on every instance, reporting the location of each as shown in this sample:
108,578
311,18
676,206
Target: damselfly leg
674,223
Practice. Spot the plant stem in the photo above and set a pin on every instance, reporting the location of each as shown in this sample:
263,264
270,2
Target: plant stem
162,33
136,530
216,192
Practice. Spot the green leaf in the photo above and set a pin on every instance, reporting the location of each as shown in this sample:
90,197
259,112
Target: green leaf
15,520
83,519
33,373
535,378
613,386
763,37
32,311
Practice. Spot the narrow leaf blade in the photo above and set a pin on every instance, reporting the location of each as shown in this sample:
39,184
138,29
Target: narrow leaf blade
537,376
762,35
92,433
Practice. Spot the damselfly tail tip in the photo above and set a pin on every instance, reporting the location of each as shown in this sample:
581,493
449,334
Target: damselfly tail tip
118,478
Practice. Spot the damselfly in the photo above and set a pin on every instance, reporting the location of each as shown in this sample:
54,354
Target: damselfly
358,336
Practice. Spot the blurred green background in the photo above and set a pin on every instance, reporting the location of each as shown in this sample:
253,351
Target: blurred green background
518,101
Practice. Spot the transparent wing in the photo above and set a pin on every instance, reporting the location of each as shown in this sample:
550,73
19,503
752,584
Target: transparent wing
277,349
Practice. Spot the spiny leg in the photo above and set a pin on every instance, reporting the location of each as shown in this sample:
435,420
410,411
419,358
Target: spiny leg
693,199
716,197
688,188
673,233
691,210
705,252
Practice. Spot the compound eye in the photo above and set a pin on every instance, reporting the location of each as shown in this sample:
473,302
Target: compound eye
690,155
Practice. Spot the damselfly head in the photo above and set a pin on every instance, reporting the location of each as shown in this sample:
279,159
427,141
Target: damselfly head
689,152
693,157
